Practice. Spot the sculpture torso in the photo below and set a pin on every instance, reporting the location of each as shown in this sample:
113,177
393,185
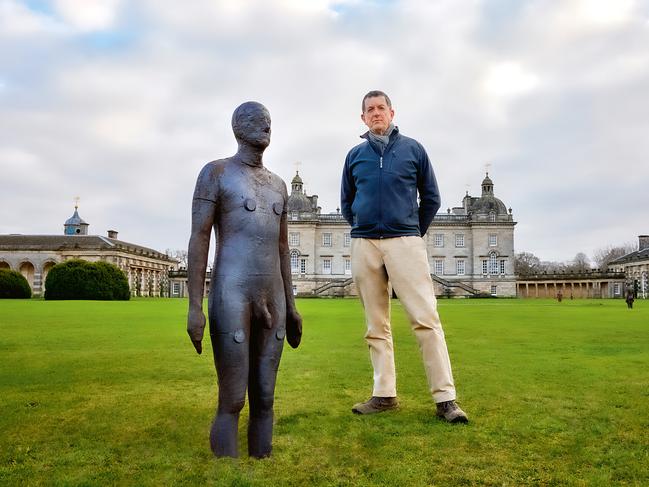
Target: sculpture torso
250,201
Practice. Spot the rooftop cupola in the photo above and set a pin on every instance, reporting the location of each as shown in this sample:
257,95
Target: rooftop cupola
296,183
75,225
487,186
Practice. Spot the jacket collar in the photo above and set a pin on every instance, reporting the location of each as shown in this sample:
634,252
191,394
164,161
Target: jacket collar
393,137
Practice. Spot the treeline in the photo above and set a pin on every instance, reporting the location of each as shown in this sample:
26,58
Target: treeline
527,263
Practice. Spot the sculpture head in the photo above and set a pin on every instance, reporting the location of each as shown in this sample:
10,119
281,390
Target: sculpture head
251,124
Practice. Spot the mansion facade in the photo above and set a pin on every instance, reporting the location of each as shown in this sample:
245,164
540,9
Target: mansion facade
147,270
635,267
470,247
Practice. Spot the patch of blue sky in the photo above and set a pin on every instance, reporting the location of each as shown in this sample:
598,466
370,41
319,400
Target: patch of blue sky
352,8
40,6
108,39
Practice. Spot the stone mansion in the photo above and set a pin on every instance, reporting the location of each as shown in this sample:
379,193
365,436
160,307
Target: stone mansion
470,247
147,270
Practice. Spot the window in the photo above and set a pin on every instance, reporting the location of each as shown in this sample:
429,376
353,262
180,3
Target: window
326,240
493,263
493,240
294,215
502,267
492,217
485,264
348,240
326,266
176,289
616,289
294,261
348,265
494,290
459,240
439,240
294,290
294,239
302,266
460,267
438,266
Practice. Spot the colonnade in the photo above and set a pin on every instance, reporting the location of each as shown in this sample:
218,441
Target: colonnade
568,289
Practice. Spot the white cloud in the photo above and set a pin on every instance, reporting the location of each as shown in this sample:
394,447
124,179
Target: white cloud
602,13
508,79
554,97
16,20
88,15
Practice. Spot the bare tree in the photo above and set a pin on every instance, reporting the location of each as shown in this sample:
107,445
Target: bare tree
581,263
178,254
604,255
526,263
553,267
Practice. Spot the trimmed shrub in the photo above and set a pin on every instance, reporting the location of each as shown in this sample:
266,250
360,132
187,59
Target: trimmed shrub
80,279
13,285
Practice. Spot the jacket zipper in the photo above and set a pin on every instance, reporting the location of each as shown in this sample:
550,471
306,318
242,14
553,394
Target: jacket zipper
380,191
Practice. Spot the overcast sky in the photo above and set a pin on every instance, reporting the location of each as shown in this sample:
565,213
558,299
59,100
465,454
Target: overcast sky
122,102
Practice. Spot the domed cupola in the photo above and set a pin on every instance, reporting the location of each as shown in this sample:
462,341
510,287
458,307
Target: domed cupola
75,225
487,186
298,200
299,203
487,204
296,183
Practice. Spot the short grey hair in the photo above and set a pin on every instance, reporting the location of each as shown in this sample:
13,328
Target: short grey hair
373,94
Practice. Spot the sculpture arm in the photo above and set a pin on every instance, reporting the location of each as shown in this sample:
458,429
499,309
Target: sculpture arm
203,213
293,318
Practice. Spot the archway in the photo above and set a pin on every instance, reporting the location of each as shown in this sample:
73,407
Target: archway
4,265
47,267
27,270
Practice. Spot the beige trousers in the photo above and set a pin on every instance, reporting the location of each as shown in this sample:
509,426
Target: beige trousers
403,263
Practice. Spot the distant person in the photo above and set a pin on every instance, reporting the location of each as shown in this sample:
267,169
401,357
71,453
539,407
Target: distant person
381,179
559,296
630,297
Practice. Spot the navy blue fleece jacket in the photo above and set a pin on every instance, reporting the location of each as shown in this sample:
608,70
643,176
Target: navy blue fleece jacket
378,194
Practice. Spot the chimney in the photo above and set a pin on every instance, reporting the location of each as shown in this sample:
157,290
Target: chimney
643,242
112,234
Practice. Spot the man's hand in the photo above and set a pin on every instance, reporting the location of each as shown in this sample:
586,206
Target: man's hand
293,328
196,327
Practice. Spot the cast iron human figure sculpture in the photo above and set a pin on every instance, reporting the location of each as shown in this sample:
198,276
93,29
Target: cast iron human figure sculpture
251,305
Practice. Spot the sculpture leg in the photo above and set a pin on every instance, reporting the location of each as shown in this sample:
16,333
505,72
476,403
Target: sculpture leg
266,351
231,358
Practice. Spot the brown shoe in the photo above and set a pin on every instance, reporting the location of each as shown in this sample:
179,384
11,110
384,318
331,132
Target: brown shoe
451,412
376,405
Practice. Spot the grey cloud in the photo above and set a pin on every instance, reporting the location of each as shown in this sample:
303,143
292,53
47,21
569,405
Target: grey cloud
128,128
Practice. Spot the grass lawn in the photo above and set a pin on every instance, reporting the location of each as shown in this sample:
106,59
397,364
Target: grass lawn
95,393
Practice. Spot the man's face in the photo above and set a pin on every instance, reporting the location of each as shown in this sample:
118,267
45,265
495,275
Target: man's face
377,114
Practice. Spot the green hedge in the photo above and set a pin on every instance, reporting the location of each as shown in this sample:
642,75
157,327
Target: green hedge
13,285
80,279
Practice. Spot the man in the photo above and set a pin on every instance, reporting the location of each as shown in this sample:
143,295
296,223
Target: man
630,296
380,182
251,305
